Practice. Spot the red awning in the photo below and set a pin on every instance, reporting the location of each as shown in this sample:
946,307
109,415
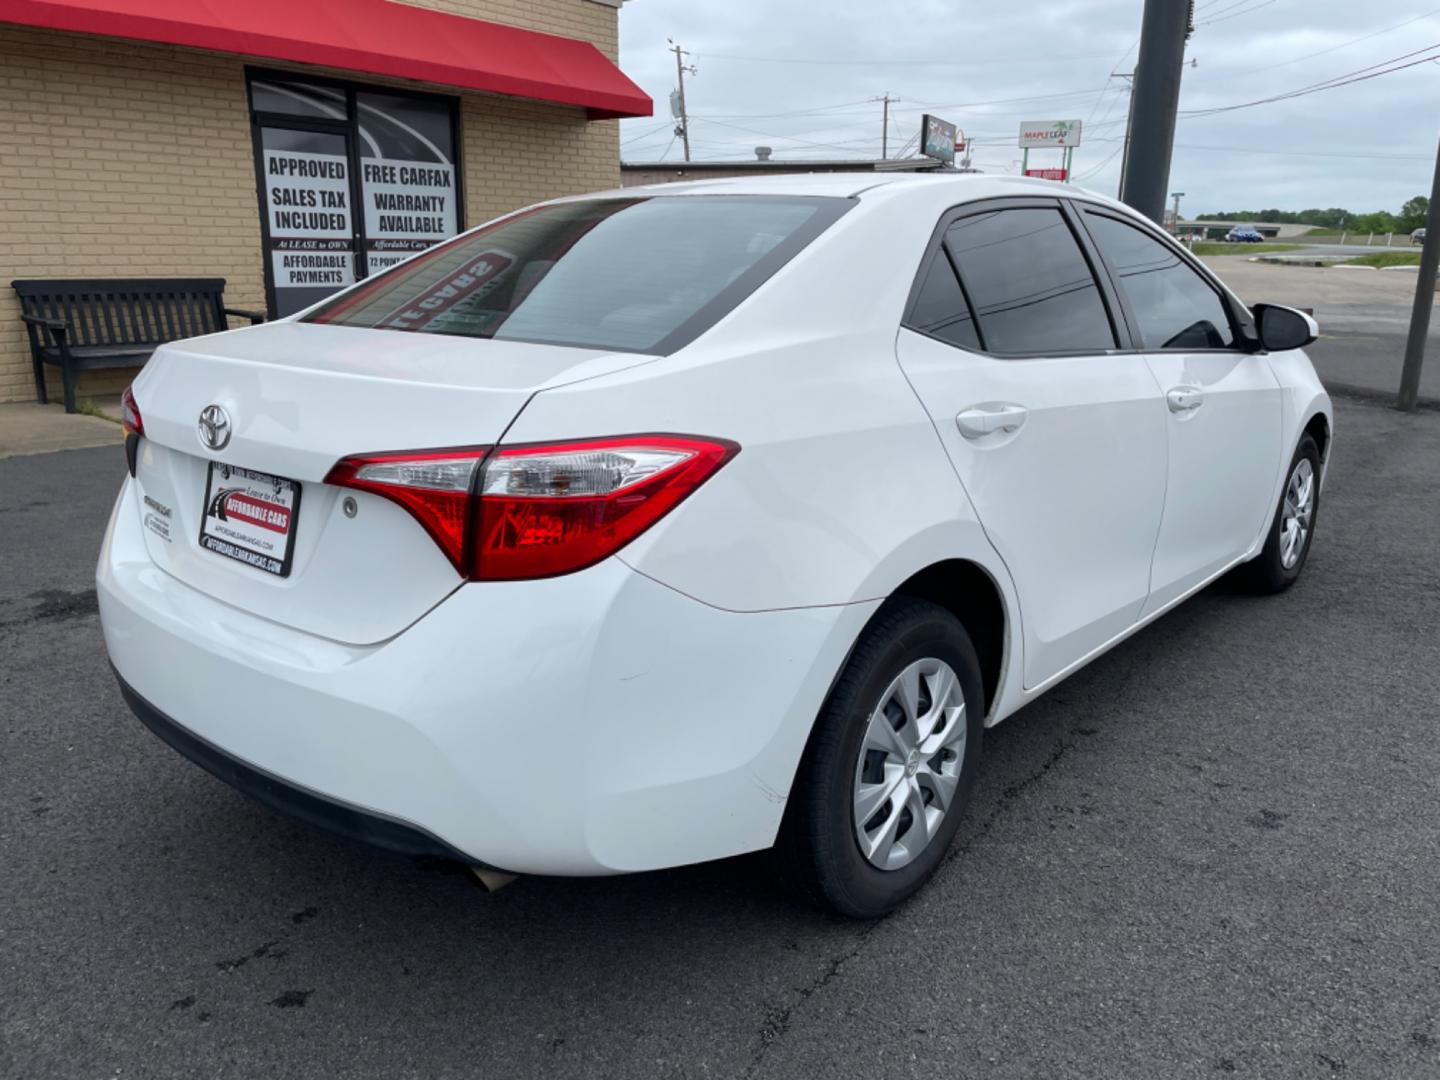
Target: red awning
377,37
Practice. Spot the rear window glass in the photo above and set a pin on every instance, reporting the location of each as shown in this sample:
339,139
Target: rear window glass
638,275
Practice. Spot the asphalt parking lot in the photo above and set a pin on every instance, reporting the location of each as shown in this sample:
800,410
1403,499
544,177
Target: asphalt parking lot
1364,318
1215,851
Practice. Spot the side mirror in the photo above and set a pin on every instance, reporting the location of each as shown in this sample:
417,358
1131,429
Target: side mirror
1283,328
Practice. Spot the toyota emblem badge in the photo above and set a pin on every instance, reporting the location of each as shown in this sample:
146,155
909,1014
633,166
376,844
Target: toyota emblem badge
214,427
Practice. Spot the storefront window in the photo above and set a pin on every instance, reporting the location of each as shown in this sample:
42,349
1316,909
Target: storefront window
297,99
307,215
325,149
407,176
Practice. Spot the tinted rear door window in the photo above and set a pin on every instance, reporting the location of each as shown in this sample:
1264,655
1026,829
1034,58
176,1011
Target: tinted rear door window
1175,307
639,274
1032,288
940,309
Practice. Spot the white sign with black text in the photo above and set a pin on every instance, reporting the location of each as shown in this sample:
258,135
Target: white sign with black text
308,212
409,205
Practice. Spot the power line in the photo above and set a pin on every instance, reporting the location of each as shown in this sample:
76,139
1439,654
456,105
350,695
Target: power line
652,131
819,134
1098,169
1329,84
794,112
921,105
1347,44
790,138
948,61
1349,155
1236,15
1012,101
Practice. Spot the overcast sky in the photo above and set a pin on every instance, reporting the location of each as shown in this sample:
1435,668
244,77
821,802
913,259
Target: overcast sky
797,75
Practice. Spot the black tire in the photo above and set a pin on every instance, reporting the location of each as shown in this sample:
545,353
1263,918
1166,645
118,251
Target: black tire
1267,572
817,853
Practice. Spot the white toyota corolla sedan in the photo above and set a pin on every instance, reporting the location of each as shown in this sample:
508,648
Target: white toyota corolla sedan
667,524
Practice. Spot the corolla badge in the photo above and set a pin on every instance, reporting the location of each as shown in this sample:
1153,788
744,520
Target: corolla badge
214,427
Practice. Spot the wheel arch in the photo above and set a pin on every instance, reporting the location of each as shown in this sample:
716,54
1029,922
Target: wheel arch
1318,428
971,593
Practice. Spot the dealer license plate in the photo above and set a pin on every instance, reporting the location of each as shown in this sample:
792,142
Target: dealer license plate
250,517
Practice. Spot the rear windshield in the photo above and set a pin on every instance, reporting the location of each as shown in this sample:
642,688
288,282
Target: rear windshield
636,275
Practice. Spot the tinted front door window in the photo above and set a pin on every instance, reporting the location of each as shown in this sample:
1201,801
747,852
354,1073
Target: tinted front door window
1175,306
1032,288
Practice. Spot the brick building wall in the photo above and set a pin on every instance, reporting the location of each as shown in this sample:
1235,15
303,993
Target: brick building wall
129,159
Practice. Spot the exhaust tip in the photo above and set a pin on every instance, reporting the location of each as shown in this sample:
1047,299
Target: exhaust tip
492,881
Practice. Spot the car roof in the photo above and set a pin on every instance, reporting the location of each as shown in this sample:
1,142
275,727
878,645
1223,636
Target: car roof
862,184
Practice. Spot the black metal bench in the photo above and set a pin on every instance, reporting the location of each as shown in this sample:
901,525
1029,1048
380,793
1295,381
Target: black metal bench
115,322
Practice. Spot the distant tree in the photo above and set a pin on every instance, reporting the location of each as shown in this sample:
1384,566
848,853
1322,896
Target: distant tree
1414,214
1380,222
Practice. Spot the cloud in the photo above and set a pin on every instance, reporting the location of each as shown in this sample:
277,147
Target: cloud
799,77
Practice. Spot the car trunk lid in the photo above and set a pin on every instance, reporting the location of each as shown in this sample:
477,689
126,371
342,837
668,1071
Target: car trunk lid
296,398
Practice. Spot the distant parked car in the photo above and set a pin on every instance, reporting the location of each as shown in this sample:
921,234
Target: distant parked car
1417,237
1243,234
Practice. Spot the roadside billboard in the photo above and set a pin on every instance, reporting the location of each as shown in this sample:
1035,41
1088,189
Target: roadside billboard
1046,133
937,139
1059,175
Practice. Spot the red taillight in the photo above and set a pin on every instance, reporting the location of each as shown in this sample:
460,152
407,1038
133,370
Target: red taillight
550,509
542,510
134,426
130,418
434,486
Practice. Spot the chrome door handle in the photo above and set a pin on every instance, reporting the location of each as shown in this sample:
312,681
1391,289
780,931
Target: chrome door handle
1184,399
984,420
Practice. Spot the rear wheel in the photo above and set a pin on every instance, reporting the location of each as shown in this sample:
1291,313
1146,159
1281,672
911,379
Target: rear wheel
1287,545
890,765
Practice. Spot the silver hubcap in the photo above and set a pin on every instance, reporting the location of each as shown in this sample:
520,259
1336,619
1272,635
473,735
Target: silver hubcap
1297,514
909,764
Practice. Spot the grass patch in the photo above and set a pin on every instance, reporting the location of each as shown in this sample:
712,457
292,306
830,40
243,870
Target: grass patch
87,407
1207,248
1386,258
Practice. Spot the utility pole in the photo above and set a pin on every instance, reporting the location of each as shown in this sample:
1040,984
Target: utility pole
1129,125
885,124
1424,301
683,128
1166,26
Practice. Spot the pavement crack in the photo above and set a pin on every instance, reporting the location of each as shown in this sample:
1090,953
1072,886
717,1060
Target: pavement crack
777,1020
1007,798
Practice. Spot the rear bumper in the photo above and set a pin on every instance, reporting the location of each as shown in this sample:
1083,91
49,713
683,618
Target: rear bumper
350,822
588,724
